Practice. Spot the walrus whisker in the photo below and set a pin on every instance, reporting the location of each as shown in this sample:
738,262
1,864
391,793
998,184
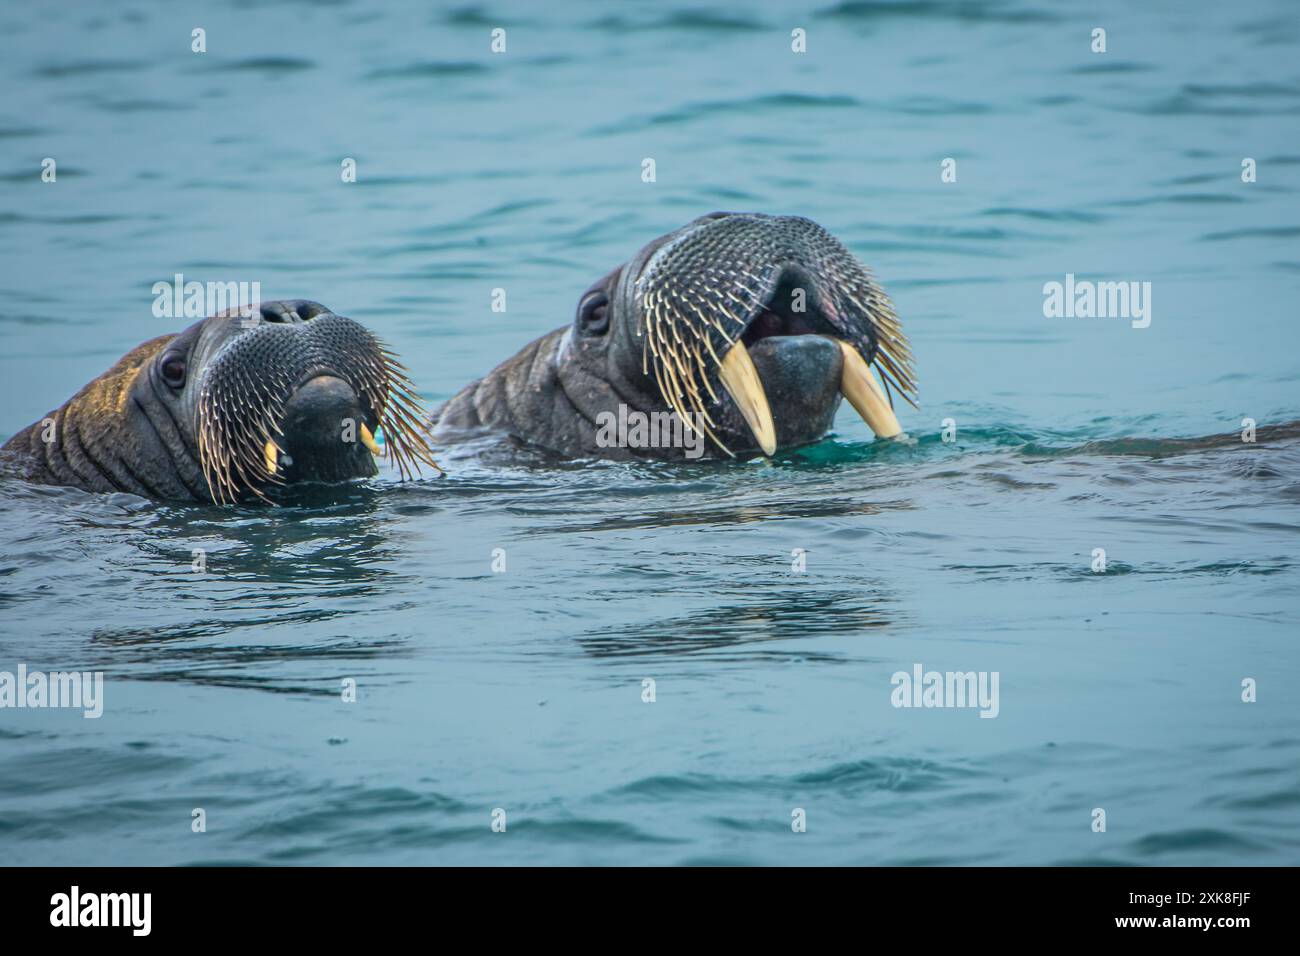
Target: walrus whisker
400,418
407,437
677,373
700,363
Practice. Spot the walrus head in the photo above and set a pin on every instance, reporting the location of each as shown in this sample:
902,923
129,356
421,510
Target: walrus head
231,407
748,327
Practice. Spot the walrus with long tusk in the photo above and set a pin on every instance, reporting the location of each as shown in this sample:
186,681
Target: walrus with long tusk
230,408
747,327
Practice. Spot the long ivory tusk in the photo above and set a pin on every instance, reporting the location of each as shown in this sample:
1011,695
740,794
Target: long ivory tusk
740,379
865,395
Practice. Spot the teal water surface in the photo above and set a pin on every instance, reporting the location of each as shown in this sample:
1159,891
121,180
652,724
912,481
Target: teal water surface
522,690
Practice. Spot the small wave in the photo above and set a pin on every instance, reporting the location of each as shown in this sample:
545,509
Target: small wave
746,106
896,774
1111,66
958,10
426,70
139,105
471,17
54,770
337,809
34,175
1047,215
704,21
261,64
1194,839
1207,100
1260,232
86,219
743,621
1180,199
87,68
686,21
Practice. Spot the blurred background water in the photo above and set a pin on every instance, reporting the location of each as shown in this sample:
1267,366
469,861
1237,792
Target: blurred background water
523,690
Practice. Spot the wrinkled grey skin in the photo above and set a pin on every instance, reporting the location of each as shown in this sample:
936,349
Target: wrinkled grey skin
552,393
131,430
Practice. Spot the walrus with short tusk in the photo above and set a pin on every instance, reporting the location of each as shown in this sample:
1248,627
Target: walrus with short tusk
748,328
229,409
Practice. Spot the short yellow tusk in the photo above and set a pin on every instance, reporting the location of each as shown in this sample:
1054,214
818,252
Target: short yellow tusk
270,456
368,440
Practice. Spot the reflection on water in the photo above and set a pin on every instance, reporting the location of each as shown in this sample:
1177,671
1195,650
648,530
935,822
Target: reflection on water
748,615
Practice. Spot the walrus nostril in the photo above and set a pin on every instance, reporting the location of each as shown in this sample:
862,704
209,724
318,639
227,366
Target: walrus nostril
292,311
276,313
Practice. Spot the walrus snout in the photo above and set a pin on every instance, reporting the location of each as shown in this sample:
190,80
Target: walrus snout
301,398
801,378
326,433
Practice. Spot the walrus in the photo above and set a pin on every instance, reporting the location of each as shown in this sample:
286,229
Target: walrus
230,408
748,328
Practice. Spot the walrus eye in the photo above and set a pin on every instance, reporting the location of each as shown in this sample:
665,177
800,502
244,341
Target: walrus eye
173,370
593,314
